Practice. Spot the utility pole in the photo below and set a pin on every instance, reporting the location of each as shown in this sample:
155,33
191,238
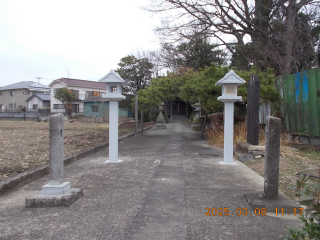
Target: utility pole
68,72
38,78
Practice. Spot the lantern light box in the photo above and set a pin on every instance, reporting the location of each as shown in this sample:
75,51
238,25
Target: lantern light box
230,83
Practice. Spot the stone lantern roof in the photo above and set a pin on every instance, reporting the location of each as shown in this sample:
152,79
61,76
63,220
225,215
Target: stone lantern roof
112,77
230,78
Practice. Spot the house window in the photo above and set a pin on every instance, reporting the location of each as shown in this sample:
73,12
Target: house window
94,109
0,93
11,93
95,93
55,90
35,106
10,105
58,106
230,89
75,108
1,106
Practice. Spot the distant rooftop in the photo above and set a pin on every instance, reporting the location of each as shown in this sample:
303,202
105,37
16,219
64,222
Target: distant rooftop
25,84
80,83
43,97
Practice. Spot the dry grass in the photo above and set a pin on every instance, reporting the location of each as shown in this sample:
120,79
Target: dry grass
294,157
216,133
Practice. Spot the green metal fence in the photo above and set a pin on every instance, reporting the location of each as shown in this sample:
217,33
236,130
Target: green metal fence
301,102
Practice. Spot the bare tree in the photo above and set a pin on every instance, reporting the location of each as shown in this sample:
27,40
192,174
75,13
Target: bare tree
153,57
271,25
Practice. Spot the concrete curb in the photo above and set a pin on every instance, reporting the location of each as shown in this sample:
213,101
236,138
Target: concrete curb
21,179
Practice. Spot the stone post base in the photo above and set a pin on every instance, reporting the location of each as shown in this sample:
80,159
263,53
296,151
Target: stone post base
63,200
50,189
196,125
161,125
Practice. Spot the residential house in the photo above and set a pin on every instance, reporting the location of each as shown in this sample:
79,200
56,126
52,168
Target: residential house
98,107
38,101
14,96
82,90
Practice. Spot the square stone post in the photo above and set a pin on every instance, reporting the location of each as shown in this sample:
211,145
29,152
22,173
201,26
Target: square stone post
253,110
136,114
141,123
56,164
56,193
271,199
56,148
271,171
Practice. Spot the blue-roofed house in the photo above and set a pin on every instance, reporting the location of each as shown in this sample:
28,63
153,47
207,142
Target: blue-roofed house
38,101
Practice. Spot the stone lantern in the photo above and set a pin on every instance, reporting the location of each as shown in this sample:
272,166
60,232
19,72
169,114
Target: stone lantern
161,123
196,122
114,94
229,84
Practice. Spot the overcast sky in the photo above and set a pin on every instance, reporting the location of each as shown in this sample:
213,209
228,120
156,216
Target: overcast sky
48,38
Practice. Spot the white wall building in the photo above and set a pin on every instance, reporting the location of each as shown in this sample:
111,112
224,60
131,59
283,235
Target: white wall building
38,101
82,90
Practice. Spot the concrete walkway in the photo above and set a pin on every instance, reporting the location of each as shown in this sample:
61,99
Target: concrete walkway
161,190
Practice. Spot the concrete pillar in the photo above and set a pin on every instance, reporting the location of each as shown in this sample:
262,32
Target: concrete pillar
141,123
113,130
228,132
136,115
187,110
272,153
253,110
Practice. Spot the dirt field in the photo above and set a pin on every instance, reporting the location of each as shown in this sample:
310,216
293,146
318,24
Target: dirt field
24,145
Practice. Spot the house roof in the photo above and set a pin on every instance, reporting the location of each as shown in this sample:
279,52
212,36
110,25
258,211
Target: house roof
112,77
80,83
43,97
25,85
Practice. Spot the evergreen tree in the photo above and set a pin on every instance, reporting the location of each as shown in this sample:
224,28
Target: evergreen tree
136,72
197,54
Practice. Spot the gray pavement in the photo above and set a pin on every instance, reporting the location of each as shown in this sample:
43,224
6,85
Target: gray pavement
161,190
